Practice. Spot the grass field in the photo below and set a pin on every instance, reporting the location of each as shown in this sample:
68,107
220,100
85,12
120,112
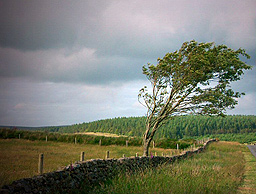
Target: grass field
224,167
220,169
19,158
249,183
101,134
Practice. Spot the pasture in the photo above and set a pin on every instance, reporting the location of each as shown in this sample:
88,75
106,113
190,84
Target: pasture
19,157
225,167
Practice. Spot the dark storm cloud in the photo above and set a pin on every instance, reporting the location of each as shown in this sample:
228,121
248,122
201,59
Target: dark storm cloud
32,25
111,40
64,62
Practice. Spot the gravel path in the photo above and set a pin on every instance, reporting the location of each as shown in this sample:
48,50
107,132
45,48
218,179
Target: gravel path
252,149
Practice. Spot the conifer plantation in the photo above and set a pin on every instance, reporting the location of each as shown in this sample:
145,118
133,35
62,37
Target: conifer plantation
179,127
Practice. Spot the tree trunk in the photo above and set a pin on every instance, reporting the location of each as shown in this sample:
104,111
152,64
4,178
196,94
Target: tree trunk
146,146
148,136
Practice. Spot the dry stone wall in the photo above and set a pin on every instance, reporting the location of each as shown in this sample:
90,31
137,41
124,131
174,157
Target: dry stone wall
89,173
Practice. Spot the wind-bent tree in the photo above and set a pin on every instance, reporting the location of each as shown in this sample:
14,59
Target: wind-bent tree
193,80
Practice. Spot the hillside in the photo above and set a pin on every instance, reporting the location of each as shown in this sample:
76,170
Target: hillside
176,128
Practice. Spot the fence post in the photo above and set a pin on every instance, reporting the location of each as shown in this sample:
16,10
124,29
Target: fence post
126,143
82,156
178,147
46,139
71,166
100,142
75,140
154,144
107,154
19,136
41,164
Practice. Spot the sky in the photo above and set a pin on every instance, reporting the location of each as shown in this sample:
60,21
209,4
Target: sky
65,62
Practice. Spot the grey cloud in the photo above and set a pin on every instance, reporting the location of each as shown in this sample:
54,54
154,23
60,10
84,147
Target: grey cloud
36,37
64,62
134,28
81,66
46,24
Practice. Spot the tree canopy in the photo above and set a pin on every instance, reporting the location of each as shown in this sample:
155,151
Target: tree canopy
192,80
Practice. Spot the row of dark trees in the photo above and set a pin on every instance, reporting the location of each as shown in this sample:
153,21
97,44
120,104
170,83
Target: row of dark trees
177,128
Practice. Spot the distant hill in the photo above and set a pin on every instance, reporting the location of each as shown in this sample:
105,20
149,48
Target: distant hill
46,128
179,127
20,128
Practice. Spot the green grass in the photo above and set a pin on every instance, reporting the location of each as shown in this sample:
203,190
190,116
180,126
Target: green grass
249,183
225,167
236,137
19,158
218,170
81,138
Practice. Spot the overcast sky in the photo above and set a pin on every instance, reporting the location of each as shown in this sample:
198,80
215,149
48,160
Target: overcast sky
66,62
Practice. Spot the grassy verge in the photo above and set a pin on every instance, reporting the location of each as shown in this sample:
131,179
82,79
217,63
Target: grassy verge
218,170
236,137
19,158
249,184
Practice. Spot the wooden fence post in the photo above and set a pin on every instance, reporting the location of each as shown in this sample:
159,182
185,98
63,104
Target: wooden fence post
82,156
107,154
75,140
46,139
41,164
126,143
19,136
178,147
154,144
100,142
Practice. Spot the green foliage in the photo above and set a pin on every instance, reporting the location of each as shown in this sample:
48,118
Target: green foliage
172,143
239,128
177,128
192,80
241,138
87,139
